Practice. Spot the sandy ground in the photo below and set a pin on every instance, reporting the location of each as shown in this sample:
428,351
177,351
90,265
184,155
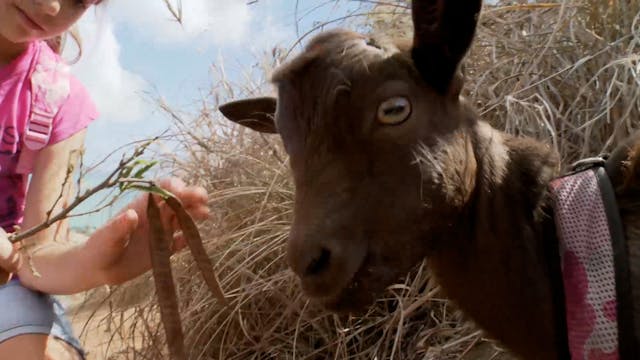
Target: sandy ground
89,314
102,340
89,324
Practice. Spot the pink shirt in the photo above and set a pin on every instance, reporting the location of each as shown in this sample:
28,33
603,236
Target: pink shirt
77,111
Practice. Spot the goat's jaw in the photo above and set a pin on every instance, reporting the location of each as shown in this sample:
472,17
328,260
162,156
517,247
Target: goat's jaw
352,299
361,291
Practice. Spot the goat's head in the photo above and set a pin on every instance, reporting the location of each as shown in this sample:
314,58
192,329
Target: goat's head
375,134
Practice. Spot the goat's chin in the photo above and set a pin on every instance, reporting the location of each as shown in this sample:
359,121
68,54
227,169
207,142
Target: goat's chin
347,303
367,284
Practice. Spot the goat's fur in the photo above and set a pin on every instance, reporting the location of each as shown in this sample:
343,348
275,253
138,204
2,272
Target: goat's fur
373,199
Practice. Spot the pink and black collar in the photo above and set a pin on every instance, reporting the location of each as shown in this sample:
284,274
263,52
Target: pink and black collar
594,264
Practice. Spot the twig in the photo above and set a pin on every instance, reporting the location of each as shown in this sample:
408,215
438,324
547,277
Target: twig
113,179
176,11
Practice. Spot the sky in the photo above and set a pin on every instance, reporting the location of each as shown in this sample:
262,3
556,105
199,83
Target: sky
134,52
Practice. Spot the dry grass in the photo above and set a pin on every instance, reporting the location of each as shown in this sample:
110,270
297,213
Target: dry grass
560,74
563,72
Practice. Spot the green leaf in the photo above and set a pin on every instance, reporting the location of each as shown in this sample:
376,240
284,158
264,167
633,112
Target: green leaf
151,189
139,174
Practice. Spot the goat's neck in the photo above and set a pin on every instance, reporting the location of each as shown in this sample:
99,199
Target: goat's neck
497,261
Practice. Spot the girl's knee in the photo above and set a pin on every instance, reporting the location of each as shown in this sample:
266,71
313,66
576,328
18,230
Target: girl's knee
60,350
28,347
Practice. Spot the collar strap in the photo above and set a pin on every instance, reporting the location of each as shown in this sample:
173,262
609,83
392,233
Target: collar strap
595,269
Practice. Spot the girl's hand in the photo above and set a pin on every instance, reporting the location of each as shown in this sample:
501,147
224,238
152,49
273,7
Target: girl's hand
119,250
10,259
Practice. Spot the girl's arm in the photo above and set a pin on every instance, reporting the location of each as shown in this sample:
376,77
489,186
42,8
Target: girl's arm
117,252
52,184
49,252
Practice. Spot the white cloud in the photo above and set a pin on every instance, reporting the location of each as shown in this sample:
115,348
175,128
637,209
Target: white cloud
116,91
207,22
119,93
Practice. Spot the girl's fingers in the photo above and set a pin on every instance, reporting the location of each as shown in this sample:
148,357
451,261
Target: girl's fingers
110,240
200,213
179,242
195,195
188,195
10,259
195,201
174,185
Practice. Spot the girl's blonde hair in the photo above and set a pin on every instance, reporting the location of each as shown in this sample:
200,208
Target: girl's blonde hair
57,43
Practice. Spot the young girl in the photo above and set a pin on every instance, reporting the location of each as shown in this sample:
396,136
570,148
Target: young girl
44,112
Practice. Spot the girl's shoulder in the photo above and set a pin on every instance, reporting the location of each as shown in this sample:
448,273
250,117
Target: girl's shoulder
50,74
44,103
40,75
41,103
62,93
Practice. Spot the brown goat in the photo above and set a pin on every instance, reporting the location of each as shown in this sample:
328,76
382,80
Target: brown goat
391,165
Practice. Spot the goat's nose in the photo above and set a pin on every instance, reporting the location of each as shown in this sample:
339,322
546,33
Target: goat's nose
318,262
312,261
324,261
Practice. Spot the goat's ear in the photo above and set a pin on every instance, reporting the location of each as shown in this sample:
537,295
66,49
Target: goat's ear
256,113
443,31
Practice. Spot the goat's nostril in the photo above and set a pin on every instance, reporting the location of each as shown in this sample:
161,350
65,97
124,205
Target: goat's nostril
319,263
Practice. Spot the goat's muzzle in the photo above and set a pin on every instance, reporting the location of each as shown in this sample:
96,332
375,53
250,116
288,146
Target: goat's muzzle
324,265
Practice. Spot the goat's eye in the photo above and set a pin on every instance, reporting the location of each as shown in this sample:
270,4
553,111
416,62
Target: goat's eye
394,110
373,43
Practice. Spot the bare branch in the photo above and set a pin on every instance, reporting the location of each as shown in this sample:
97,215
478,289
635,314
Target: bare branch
175,10
115,178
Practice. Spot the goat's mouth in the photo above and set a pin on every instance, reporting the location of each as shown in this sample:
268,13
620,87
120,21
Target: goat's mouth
360,292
